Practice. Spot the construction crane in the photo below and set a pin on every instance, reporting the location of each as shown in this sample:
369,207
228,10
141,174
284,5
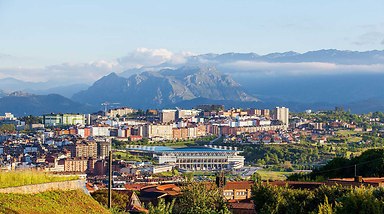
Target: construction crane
106,104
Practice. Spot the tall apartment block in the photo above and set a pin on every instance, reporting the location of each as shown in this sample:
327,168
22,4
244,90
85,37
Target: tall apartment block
282,114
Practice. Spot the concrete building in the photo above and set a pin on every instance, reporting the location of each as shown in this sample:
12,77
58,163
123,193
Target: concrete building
253,111
186,113
282,114
180,133
77,164
201,158
85,149
158,131
63,119
9,118
120,112
167,115
160,168
103,149
101,131
265,112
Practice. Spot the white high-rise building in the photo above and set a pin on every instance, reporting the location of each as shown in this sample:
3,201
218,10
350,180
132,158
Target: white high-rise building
282,114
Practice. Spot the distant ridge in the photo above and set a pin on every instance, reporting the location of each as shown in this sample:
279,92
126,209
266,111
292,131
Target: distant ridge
325,55
41,104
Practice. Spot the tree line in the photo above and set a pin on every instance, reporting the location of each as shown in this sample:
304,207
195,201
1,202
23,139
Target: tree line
369,164
322,200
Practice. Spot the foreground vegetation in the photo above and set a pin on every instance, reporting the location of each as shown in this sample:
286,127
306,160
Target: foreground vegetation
21,178
369,164
325,199
196,197
119,200
74,201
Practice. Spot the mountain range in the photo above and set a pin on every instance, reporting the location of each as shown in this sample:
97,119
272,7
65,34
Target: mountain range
28,104
9,85
329,55
165,87
317,79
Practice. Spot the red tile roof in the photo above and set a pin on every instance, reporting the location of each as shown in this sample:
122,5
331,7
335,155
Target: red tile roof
243,206
238,185
134,186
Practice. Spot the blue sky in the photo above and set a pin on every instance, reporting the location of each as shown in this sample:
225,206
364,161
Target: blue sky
40,33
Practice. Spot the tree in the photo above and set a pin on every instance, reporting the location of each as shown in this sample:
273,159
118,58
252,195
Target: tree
188,176
325,208
200,197
360,200
119,200
256,177
162,207
7,128
287,166
31,119
266,198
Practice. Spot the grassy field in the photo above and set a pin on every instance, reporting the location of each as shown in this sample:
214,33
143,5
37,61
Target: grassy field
346,132
21,178
74,201
273,175
125,156
349,135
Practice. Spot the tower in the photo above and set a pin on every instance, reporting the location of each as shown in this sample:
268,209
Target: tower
282,114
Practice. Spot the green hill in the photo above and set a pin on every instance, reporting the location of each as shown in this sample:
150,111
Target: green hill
22,178
74,201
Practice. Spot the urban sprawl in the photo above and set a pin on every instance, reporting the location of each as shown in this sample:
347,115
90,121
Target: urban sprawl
162,147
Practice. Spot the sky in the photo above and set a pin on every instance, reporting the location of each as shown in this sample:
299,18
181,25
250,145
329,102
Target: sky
40,37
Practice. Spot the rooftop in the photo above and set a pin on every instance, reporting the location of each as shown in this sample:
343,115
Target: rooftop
183,149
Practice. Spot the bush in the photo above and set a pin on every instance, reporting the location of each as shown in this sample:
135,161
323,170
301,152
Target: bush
201,198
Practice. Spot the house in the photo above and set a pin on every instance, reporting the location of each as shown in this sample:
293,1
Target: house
266,139
134,204
237,190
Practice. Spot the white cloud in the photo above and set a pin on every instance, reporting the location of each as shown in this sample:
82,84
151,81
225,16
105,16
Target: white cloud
89,72
143,57
65,73
83,72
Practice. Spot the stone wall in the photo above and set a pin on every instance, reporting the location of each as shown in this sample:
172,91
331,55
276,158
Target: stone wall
37,188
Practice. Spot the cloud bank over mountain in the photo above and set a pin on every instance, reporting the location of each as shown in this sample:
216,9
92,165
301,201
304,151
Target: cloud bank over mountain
299,68
89,72
322,62
144,57
62,73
